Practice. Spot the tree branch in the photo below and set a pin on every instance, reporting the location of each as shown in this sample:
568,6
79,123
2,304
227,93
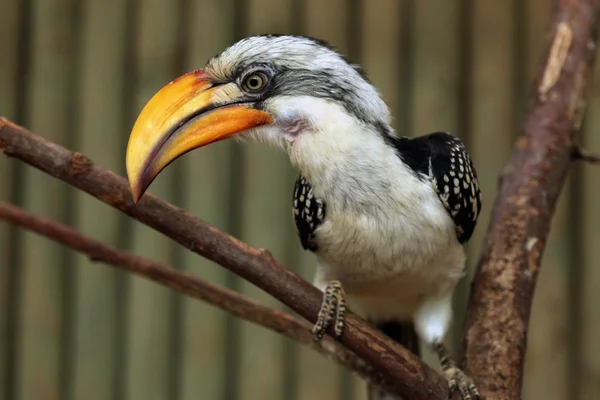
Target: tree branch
584,155
412,378
500,301
228,300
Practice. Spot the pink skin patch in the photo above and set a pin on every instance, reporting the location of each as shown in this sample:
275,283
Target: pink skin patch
293,126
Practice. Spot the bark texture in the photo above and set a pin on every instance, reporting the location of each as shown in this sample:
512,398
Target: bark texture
188,284
411,378
502,291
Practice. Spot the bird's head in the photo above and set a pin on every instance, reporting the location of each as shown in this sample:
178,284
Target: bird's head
270,88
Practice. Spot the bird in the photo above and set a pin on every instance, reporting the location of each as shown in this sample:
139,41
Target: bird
387,216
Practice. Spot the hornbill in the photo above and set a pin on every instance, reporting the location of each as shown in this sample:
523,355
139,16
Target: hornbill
387,216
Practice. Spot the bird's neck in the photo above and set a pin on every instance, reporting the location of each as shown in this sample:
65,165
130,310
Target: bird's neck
348,162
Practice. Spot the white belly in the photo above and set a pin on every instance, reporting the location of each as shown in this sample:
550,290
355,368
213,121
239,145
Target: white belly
386,236
389,265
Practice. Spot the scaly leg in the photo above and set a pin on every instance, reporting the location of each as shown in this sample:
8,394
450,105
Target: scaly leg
457,379
333,309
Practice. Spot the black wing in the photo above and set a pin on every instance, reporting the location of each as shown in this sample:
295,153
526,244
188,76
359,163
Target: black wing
454,179
309,213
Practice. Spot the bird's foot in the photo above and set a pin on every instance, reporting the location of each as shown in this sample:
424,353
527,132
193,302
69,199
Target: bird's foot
332,309
457,379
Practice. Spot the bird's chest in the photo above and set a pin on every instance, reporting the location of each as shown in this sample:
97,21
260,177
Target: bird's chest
378,237
374,224
386,265
381,245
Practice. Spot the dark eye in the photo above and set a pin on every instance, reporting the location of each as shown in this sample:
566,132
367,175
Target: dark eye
255,82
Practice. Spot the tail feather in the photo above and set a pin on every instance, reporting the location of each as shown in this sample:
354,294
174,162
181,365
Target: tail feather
405,335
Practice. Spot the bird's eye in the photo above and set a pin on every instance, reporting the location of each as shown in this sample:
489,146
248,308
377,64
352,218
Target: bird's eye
255,82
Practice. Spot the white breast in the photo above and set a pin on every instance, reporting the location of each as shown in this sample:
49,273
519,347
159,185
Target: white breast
392,257
387,236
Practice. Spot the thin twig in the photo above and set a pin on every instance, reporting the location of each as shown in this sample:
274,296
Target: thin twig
228,300
412,379
500,300
584,155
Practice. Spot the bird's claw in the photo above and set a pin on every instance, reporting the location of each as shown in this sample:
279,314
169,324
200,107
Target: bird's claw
459,381
333,309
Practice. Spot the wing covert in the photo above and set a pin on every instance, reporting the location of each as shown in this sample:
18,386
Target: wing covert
454,179
309,213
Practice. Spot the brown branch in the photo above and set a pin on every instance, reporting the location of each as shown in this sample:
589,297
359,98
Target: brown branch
500,301
228,300
412,378
581,154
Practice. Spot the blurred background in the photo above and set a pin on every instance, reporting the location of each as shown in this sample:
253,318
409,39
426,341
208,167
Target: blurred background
79,71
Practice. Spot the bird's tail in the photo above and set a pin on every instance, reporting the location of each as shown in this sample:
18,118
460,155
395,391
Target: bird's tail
405,335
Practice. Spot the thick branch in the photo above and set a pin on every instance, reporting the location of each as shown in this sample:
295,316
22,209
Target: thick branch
228,300
412,378
500,302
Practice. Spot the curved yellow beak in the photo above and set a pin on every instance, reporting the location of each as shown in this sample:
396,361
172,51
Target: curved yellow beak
184,115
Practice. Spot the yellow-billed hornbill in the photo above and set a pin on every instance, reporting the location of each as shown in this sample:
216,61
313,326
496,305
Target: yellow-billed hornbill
387,216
